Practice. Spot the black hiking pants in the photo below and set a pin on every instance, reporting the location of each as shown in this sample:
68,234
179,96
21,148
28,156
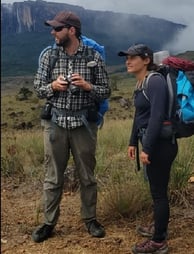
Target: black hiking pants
158,172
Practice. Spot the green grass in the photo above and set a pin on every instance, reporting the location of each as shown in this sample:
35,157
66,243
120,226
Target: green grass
122,191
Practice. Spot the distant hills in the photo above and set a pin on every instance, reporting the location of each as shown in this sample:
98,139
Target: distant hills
24,34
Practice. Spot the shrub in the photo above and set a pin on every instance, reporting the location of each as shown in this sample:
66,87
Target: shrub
182,170
125,195
121,191
22,153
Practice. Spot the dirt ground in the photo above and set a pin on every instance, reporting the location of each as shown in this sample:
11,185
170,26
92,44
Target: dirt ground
19,216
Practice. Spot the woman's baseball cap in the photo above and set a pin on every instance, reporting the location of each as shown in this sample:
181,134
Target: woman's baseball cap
137,50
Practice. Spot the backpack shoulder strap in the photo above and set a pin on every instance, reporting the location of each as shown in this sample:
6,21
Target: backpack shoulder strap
146,83
89,53
172,91
42,53
170,77
95,45
54,55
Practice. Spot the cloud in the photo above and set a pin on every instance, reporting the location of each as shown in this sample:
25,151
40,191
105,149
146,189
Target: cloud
174,10
177,11
183,41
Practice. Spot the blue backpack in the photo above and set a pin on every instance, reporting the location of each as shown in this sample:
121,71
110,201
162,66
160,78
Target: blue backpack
93,44
180,84
103,106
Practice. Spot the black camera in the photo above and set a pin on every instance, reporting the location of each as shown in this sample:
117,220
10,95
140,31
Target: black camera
74,89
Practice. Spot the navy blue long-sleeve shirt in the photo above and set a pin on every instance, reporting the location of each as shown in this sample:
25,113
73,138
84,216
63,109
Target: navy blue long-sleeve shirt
150,112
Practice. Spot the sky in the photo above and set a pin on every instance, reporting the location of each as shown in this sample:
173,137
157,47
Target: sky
178,11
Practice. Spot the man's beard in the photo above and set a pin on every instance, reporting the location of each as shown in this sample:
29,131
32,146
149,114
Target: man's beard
65,42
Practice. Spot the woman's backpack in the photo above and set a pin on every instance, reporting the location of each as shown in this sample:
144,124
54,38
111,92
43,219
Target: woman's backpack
179,74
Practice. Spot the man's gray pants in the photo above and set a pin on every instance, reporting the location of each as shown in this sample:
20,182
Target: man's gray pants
58,143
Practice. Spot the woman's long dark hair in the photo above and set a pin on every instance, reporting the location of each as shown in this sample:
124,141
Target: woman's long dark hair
151,66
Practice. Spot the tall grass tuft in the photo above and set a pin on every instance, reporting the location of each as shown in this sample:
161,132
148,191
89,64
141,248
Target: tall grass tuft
22,153
182,170
122,192
125,195
11,164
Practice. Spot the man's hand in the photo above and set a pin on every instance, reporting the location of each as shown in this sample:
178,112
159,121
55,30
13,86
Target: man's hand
79,81
60,84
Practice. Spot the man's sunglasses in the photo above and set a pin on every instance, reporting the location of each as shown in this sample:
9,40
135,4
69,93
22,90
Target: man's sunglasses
59,28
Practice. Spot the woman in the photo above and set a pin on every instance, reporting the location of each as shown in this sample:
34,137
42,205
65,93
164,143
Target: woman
157,153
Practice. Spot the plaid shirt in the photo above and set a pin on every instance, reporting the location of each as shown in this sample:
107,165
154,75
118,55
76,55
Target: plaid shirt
65,65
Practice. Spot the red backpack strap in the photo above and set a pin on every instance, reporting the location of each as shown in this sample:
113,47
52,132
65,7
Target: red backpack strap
179,63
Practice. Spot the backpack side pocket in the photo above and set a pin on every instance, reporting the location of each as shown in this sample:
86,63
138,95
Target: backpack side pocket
46,111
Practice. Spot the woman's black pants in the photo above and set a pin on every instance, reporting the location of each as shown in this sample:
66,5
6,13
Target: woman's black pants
158,172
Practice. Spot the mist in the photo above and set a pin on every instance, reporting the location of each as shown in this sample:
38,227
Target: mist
177,11
184,41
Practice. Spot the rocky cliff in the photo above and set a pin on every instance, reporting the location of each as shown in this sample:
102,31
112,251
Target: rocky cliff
23,22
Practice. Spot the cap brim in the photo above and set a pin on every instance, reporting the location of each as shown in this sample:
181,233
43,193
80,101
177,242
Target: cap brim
122,53
53,23
127,53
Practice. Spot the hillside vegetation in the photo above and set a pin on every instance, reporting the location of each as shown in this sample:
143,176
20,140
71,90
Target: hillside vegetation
124,201
24,34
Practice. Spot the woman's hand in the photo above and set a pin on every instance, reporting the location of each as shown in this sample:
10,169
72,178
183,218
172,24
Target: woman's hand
131,152
144,158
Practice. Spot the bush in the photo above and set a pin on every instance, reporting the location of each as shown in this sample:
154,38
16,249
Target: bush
125,195
22,153
121,191
182,170
24,94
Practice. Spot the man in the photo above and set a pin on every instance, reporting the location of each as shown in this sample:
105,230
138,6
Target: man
73,87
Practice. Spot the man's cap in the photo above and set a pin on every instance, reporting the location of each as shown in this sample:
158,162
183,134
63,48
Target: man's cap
64,18
137,50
